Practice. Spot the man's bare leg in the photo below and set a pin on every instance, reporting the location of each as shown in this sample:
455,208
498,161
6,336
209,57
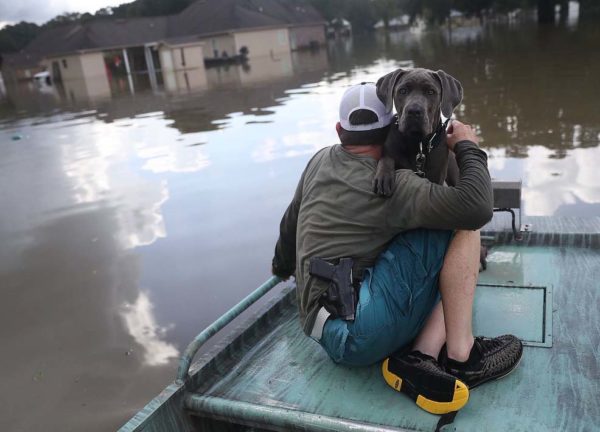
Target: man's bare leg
451,321
414,373
433,335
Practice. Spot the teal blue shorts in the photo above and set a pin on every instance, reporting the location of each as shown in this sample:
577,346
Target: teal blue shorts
396,296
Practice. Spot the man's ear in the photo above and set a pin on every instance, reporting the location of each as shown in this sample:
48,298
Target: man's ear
386,85
452,92
338,128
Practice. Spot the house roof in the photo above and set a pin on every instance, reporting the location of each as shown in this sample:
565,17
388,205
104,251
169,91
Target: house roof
98,34
202,17
218,16
20,60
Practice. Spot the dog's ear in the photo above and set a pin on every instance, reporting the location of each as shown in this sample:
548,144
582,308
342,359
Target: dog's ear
452,92
386,85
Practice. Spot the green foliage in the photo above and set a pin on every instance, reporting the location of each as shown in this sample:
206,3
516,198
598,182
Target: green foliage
473,7
387,10
15,37
67,18
436,11
150,8
330,9
362,12
589,8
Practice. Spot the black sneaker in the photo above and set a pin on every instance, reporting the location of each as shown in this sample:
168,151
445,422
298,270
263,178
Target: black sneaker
421,378
490,359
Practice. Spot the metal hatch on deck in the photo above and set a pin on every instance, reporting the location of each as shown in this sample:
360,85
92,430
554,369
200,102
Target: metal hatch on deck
525,311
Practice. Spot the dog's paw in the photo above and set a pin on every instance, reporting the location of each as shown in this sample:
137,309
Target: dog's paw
383,184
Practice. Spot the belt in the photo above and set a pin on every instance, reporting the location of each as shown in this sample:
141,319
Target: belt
317,331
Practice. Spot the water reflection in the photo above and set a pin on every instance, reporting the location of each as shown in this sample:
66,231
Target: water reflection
141,324
141,218
524,86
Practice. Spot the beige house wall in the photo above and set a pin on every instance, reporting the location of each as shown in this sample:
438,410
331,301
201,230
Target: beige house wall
165,55
262,43
303,36
194,56
94,74
83,75
268,68
183,67
69,66
219,43
262,69
92,64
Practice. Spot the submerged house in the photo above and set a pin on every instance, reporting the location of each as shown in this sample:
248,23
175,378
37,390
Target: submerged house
96,57
264,27
90,58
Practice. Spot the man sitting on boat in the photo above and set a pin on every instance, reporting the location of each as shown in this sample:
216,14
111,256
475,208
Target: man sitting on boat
397,255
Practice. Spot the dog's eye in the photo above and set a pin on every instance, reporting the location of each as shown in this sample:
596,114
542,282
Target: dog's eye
431,92
403,90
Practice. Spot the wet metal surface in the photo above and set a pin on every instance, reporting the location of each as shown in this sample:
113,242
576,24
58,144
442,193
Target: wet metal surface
131,222
524,311
289,370
274,375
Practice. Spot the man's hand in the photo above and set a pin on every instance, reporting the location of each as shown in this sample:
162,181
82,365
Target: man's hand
281,272
457,132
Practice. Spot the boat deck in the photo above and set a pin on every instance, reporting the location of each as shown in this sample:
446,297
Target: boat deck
269,375
554,388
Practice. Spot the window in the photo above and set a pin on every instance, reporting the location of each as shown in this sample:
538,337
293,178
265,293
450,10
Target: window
64,63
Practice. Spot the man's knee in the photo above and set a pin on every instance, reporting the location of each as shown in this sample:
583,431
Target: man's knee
465,246
467,236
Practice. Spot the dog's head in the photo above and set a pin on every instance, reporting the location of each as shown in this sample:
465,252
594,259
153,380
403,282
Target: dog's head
419,96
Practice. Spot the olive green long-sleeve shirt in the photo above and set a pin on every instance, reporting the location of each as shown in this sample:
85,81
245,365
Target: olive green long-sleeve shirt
335,214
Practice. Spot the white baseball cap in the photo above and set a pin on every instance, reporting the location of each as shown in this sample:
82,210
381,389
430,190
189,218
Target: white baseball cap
363,96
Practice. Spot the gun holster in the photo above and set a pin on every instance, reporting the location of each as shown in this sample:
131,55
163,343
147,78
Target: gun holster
340,299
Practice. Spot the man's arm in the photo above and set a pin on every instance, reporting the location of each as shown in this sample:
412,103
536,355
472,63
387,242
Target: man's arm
468,205
284,261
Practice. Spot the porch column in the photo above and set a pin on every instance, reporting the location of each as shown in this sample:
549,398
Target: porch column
150,66
128,69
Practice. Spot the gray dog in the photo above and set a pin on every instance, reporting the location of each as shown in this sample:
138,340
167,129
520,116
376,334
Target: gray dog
417,140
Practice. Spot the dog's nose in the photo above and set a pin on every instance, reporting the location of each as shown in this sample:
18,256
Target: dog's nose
414,111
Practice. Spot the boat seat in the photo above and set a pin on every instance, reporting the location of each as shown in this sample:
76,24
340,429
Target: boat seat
507,198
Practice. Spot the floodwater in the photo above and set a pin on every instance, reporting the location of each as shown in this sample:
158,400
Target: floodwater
130,223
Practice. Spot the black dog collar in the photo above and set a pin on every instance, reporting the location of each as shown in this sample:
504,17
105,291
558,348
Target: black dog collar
432,142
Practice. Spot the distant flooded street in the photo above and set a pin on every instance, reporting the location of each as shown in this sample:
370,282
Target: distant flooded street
132,220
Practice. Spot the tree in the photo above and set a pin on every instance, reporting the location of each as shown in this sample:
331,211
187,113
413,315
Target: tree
473,7
104,12
589,8
15,37
386,10
330,9
67,18
545,11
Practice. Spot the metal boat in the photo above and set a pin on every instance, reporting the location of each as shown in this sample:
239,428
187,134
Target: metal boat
541,284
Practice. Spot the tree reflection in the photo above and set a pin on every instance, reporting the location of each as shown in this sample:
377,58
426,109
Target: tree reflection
523,86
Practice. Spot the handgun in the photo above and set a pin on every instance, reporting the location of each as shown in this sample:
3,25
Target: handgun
340,297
